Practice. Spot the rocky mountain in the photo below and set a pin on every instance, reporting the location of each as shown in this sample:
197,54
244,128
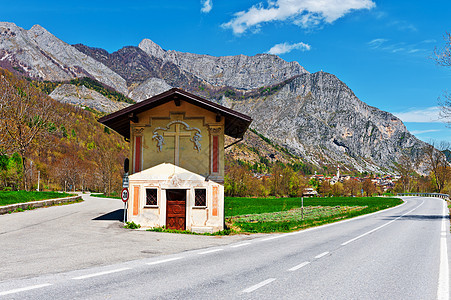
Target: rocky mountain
39,54
83,97
239,71
315,116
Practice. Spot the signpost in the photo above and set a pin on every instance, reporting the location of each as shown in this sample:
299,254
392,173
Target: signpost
125,194
124,197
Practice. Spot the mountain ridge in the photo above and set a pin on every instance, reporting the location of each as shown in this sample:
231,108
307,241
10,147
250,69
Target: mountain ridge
314,115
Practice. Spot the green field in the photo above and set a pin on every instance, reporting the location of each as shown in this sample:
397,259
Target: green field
12,197
285,214
100,195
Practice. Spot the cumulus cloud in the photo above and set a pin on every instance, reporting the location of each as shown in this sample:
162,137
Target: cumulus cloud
426,115
207,5
305,13
283,48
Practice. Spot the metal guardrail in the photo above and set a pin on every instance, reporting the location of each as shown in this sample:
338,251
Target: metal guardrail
437,195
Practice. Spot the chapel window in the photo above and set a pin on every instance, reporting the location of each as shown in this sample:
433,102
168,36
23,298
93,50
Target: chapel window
151,197
200,197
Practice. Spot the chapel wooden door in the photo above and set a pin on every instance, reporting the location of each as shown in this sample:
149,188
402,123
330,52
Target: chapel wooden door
176,209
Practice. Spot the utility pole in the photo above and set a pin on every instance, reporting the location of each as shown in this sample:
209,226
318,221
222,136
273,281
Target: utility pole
39,177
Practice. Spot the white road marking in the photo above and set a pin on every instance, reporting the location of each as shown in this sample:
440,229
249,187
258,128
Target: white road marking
258,285
272,238
322,254
24,289
299,266
163,260
240,245
100,273
377,228
443,279
211,251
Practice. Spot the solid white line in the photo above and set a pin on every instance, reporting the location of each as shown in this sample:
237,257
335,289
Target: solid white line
240,245
299,266
258,285
163,261
100,273
322,254
443,279
377,228
24,289
211,251
272,238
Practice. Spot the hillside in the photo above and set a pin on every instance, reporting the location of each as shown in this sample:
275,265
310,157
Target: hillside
74,149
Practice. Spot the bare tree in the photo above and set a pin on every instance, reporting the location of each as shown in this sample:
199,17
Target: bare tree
436,163
443,58
24,114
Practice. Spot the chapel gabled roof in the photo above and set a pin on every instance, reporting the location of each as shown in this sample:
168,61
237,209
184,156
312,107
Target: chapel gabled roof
236,123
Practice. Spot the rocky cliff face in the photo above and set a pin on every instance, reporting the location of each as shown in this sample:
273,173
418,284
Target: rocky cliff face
239,71
39,54
317,117
84,97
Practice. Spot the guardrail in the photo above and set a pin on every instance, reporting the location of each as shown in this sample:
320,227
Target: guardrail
36,204
437,195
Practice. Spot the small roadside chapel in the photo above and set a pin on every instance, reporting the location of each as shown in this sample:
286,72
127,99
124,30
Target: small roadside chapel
177,159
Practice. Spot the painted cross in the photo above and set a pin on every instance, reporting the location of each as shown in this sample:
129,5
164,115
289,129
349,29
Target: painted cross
177,134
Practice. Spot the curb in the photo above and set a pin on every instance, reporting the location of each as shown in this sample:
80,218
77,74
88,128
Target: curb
36,204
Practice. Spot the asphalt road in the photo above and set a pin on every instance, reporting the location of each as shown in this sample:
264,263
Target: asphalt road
401,253
82,235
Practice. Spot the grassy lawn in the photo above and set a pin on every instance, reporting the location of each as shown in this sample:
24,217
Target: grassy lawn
284,214
100,195
12,197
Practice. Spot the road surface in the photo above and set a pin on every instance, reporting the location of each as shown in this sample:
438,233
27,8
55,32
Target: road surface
400,253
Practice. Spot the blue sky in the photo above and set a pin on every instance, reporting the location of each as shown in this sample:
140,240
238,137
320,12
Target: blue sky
381,49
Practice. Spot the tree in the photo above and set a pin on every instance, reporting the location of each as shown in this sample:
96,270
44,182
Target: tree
368,187
25,113
443,58
351,187
436,163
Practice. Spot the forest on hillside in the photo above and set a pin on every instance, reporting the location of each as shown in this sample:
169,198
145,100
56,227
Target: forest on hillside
62,145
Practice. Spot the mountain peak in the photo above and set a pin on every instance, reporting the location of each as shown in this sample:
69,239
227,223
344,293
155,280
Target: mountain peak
151,48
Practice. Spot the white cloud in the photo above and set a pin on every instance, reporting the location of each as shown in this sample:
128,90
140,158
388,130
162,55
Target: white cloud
305,13
283,48
404,48
424,131
426,115
207,6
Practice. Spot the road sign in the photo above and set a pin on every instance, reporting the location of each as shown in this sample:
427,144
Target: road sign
124,194
125,181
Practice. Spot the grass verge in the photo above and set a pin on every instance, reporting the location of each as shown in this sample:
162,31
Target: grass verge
13,197
100,195
254,215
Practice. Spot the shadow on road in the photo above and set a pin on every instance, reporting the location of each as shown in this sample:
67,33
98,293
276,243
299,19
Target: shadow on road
116,215
418,217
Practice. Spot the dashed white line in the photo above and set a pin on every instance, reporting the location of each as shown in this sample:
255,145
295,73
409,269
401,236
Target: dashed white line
163,261
322,254
240,245
377,228
210,251
100,273
258,285
24,289
443,279
299,266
